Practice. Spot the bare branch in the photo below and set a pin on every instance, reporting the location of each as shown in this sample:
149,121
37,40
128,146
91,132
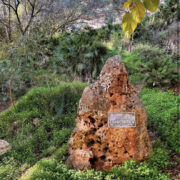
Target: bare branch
14,6
7,4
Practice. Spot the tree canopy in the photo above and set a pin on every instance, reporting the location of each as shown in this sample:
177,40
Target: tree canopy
53,16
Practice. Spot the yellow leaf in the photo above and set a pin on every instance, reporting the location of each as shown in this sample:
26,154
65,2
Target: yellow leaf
128,24
20,10
151,5
127,4
138,11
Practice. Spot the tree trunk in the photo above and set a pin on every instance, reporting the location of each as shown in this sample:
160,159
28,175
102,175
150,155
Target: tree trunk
7,23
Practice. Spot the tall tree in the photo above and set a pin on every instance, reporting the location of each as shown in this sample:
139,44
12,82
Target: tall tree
5,21
33,9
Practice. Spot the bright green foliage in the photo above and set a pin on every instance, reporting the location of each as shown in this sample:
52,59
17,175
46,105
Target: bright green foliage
8,169
61,153
162,109
159,156
160,72
52,168
138,171
55,109
136,14
40,103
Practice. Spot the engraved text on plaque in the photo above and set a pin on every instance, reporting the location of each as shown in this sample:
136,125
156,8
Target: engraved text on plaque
123,119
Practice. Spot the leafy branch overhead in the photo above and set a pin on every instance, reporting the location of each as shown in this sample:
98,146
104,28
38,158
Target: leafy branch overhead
135,13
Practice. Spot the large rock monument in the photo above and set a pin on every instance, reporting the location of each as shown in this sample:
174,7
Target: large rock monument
111,122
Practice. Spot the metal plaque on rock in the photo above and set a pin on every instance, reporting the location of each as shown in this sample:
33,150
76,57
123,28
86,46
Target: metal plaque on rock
122,119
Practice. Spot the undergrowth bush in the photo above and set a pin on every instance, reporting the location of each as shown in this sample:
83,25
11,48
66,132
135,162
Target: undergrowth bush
55,168
79,55
8,169
162,109
159,157
55,111
37,61
152,65
42,122
21,62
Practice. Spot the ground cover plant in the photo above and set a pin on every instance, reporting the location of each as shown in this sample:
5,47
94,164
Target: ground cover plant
41,121
163,117
37,73
42,145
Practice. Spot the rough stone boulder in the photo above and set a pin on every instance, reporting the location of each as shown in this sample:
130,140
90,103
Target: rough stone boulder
93,144
4,147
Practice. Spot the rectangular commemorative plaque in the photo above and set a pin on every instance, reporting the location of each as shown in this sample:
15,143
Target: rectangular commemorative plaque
122,119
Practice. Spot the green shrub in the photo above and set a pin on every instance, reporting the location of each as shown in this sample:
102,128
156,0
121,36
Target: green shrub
61,153
79,55
61,136
136,78
44,104
132,62
159,156
52,169
155,66
137,171
37,61
49,151
162,109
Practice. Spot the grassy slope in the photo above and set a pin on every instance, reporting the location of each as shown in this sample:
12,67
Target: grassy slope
43,147
54,109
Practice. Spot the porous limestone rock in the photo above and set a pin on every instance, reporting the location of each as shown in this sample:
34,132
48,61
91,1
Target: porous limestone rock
95,145
4,147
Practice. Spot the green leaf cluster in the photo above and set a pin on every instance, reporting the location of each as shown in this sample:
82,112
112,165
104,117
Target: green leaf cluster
151,65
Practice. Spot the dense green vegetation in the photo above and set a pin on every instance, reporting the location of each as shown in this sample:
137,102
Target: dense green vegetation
162,111
151,65
43,75
55,109
41,122
66,56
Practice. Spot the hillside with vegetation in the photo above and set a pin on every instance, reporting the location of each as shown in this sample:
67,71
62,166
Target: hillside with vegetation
46,61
